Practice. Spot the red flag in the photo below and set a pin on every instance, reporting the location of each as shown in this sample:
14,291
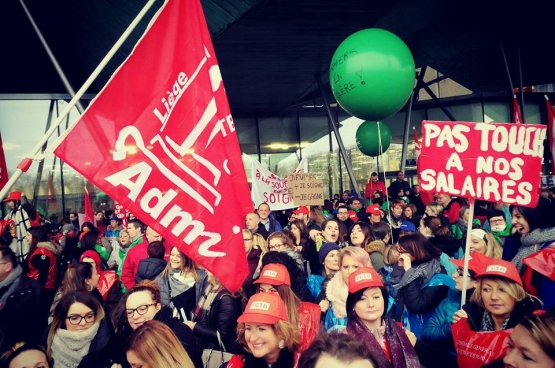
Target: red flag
89,212
427,197
160,140
121,213
551,132
517,116
3,167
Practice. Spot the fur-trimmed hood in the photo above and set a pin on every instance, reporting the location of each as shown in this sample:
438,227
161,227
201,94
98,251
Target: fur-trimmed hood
54,248
375,246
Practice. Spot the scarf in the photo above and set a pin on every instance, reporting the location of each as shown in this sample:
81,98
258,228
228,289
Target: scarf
463,225
531,243
337,293
180,283
205,303
396,221
11,282
502,234
391,334
69,347
424,270
487,323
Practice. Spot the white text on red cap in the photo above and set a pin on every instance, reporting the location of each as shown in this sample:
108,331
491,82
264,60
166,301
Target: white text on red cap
260,306
496,268
270,273
363,276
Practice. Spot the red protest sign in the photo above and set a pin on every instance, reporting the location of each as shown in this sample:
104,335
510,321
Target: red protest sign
160,140
492,162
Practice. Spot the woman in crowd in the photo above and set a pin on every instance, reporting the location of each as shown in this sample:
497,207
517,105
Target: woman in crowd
423,285
451,208
367,305
436,209
300,230
267,337
279,242
93,240
42,261
459,229
331,233
108,282
142,303
333,300
361,234
253,253
181,283
275,278
396,217
119,250
23,355
411,215
216,314
260,242
440,236
155,345
80,335
329,259
484,242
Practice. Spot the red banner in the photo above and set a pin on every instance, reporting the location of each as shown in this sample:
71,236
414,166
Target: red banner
551,131
517,116
121,213
492,162
160,140
89,212
3,168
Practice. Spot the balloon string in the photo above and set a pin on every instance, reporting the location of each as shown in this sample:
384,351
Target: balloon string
380,147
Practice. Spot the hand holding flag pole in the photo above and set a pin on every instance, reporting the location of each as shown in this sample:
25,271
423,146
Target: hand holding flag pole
34,154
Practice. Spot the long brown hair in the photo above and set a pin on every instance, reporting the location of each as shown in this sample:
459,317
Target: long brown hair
187,266
291,301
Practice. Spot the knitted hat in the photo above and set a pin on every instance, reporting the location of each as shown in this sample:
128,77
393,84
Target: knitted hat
325,249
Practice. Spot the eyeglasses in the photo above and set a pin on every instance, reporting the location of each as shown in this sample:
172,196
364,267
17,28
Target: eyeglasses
76,319
141,309
342,213
275,246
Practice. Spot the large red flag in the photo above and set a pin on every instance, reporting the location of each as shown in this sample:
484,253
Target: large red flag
551,132
160,140
3,167
517,116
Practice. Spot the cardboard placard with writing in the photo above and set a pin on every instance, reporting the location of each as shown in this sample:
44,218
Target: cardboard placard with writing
306,189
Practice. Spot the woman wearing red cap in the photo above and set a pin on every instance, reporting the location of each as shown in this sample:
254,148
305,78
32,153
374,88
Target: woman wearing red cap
267,337
275,278
367,305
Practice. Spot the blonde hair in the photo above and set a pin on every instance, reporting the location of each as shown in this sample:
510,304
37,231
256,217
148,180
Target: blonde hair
436,207
284,330
542,330
493,248
260,242
156,345
512,288
187,266
390,255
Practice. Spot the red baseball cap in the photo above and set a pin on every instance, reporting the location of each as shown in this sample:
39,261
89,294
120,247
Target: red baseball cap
302,209
353,215
477,262
13,196
501,268
264,308
364,278
274,274
374,209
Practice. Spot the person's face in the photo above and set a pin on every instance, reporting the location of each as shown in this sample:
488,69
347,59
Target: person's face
397,210
429,211
416,189
370,307
93,281
262,341
252,221
72,217
276,245
497,223
5,269
249,243
301,216
76,311
348,266
496,300
131,217
135,361
114,224
466,214
356,204
331,262
99,217
152,235
424,230
267,288
124,238
519,222
524,352
342,214
477,244
326,361
134,232
443,199
408,212
292,217
138,302
331,232
345,196
357,236
458,277
175,258
295,230
374,179
375,218
264,211
29,238
11,205
400,176
30,359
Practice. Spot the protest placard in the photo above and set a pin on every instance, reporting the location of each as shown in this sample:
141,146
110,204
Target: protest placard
306,189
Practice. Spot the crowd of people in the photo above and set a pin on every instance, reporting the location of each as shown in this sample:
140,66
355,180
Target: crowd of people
365,282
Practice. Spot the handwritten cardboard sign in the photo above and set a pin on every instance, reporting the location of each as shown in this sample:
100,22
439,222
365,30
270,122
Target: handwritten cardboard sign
492,162
306,189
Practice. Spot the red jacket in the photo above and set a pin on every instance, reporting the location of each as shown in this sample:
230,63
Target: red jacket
309,323
372,188
237,361
46,251
131,262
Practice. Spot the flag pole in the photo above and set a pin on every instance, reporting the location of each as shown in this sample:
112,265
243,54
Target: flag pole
467,250
27,161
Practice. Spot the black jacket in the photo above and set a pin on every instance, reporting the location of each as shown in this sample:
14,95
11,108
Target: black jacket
149,268
222,317
448,245
101,352
522,309
262,231
24,317
396,186
183,333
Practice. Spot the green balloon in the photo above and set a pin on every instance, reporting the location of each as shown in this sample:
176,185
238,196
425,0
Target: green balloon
368,141
372,74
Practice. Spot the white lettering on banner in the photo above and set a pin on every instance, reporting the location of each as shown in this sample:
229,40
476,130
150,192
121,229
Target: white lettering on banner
363,276
496,268
260,306
270,273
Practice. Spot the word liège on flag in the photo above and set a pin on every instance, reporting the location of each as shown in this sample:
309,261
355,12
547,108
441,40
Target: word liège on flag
492,162
160,140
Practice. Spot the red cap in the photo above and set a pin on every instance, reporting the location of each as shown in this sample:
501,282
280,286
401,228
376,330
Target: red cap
274,274
13,196
477,262
364,278
501,268
374,209
301,209
353,215
264,308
